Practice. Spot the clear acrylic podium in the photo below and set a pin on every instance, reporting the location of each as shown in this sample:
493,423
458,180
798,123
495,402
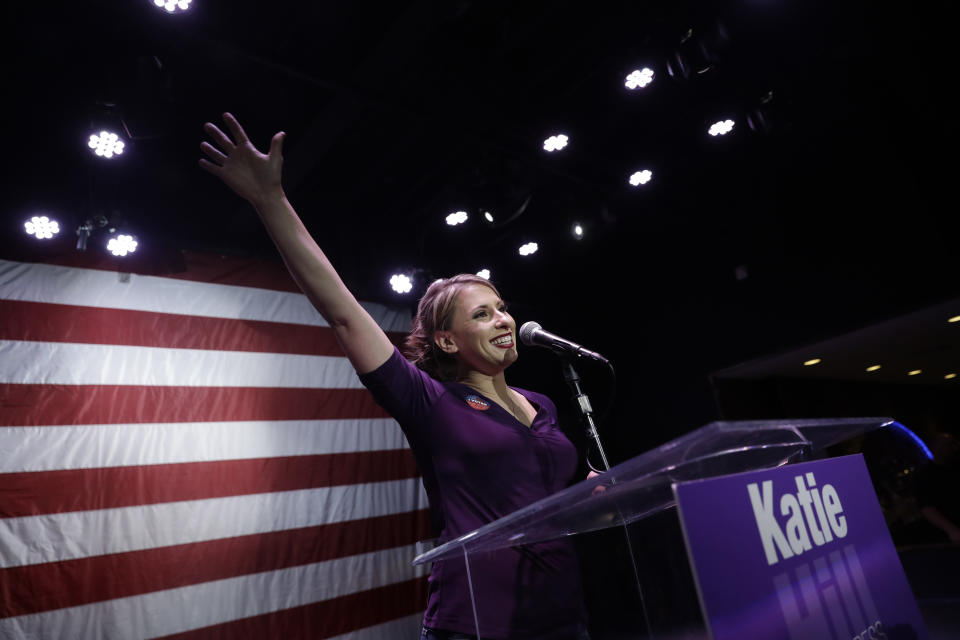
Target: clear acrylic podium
635,492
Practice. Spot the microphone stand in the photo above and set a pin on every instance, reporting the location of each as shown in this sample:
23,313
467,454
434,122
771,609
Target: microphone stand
573,381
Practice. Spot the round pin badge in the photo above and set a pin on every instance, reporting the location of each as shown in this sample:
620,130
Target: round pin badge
477,403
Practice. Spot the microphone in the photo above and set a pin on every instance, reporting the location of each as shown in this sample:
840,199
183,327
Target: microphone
533,335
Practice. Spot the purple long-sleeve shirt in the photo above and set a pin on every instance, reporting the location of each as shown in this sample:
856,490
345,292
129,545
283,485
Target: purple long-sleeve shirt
479,464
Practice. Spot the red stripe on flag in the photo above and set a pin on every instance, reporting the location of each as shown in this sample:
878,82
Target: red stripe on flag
38,492
323,619
47,322
240,272
48,404
70,583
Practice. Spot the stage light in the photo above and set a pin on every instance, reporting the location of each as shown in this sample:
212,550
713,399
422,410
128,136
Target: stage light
950,376
457,217
42,227
915,372
488,216
811,362
639,78
767,116
698,52
721,128
578,231
954,319
873,367
484,273
401,283
172,5
529,249
641,177
121,245
105,144
555,143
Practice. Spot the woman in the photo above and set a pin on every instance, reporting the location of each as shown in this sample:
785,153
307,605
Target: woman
484,449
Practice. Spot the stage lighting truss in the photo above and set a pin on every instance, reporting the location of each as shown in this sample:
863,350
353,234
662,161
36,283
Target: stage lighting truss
106,144
721,128
121,245
42,227
555,143
639,78
457,217
484,273
528,249
641,177
172,6
401,283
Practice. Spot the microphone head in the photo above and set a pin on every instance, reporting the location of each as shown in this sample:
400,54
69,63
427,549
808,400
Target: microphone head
527,331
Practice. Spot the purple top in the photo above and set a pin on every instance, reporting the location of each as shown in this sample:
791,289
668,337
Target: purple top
479,464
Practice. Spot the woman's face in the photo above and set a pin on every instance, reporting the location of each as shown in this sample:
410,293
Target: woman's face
482,335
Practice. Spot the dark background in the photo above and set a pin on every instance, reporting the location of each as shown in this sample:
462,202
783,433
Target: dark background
824,225
830,207
833,212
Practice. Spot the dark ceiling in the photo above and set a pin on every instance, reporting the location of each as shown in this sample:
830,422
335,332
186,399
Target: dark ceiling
836,213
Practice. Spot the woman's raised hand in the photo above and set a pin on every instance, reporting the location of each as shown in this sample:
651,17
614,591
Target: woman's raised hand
252,175
256,177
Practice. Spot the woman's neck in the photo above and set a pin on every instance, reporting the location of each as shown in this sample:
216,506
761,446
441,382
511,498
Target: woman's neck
490,386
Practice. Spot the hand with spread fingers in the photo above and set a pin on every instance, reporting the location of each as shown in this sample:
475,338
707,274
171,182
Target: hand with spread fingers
253,175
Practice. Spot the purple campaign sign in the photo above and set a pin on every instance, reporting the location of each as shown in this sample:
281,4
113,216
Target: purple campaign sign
800,552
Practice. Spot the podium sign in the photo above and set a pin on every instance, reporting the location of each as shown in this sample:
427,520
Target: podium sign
800,552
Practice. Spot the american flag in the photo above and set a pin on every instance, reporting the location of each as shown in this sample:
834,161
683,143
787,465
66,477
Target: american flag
190,455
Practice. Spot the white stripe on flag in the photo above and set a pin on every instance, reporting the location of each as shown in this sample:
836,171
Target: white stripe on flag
23,362
122,445
398,629
209,603
28,540
95,288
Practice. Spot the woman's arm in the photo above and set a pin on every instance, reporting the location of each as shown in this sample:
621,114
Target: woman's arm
256,178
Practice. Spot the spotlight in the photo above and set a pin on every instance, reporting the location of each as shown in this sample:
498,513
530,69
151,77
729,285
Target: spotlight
105,144
811,362
766,115
578,231
88,226
639,78
488,216
529,249
457,217
641,177
42,227
401,283
121,245
721,128
698,51
555,143
484,273
172,6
